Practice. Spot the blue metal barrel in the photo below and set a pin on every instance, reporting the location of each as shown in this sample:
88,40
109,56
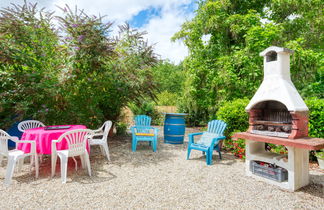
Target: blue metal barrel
174,128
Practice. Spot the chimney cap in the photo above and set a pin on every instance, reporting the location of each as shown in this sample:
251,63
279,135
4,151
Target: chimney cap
277,50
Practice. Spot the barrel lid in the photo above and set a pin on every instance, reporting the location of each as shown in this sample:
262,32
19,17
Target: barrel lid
178,114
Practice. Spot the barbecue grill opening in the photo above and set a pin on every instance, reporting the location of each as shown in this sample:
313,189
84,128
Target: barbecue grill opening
272,119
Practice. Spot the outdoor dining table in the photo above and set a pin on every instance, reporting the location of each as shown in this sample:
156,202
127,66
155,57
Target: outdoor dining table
44,138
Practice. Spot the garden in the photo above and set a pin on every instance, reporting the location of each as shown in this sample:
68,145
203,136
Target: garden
71,69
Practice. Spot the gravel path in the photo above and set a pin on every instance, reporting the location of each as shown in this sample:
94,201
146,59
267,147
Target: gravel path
147,180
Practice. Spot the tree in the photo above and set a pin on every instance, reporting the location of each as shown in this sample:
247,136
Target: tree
77,73
228,66
30,57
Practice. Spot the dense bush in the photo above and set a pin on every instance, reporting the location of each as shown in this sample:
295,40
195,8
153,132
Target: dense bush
76,73
316,117
234,114
30,59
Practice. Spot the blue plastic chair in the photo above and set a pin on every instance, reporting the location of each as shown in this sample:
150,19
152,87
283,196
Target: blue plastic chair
209,140
143,131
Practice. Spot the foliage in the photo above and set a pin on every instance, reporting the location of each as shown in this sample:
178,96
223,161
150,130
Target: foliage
166,98
168,76
316,117
147,108
30,59
320,154
236,147
228,65
234,114
76,73
121,129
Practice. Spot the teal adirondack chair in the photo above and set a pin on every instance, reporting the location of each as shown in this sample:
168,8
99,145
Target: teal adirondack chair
143,131
209,141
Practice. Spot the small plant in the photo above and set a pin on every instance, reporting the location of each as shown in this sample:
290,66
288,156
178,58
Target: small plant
320,154
121,129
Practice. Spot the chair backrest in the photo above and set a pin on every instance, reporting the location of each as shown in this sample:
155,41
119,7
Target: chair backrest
106,128
29,124
216,126
4,136
76,140
142,121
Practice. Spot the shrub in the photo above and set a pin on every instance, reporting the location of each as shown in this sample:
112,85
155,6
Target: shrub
234,114
147,108
316,117
166,98
121,129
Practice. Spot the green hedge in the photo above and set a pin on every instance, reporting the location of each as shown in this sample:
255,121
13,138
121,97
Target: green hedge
234,114
316,117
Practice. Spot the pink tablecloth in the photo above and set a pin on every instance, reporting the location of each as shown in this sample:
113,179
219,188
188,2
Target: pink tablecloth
44,139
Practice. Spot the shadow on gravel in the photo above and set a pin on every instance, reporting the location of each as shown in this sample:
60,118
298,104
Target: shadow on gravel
314,190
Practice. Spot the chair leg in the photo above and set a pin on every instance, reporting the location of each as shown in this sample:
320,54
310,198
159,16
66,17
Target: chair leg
20,164
64,161
53,159
83,163
36,165
154,143
188,153
10,169
209,157
217,148
1,158
134,144
87,160
106,149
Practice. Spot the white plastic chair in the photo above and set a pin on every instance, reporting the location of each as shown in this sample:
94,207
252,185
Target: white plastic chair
77,141
29,124
15,155
102,132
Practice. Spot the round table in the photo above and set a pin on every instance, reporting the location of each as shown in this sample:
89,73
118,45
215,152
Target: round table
44,139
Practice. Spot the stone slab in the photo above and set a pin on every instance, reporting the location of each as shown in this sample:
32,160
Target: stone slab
303,143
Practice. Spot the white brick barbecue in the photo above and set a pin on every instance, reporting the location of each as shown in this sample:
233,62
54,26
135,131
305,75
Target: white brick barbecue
278,115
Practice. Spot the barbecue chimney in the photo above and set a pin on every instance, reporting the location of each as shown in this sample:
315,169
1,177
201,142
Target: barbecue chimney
277,109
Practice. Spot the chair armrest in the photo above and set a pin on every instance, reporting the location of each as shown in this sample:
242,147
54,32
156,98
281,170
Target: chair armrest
31,142
95,134
97,131
191,136
195,134
134,128
216,140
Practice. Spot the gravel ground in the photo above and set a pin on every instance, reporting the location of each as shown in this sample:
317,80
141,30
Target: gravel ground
161,180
